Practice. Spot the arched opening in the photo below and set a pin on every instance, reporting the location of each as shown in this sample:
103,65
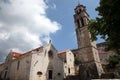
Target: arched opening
78,23
82,22
50,74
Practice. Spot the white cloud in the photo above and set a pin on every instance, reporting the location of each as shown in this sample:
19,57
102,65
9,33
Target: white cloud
24,25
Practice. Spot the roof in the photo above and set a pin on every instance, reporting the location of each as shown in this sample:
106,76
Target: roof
104,52
2,64
75,51
101,44
62,52
101,48
16,54
36,49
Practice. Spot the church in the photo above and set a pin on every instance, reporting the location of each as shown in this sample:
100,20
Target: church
46,63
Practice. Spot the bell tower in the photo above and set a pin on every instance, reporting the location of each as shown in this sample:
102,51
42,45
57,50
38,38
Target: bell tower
90,66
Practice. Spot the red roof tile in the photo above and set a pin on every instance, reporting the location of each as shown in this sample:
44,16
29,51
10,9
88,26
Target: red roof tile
39,48
62,52
16,54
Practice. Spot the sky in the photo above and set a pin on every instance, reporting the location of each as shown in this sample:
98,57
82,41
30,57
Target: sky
28,24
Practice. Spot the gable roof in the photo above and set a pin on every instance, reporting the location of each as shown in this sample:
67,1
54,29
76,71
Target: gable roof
36,49
18,55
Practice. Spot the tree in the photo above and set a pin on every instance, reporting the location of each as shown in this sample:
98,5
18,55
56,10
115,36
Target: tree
114,61
107,24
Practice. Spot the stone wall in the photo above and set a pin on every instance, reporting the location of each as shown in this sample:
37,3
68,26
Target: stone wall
17,69
44,61
69,68
20,68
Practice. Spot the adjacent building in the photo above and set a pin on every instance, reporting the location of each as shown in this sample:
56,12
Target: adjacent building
68,59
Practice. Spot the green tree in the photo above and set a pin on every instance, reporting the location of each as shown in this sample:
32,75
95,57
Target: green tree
77,61
107,24
114,61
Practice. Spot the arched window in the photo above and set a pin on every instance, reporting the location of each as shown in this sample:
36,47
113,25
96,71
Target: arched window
50,74
69,70
5,75
82,22
0,74
18,64
78,23
6,71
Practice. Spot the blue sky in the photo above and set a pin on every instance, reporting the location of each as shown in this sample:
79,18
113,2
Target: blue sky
28,24
66,37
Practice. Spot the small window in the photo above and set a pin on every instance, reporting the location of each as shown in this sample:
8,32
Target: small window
82,22
5,74
75,55
39,73
78,11
45,53
59,74
78,23
50,74
0,74
18,64
69,70
65,61
6,71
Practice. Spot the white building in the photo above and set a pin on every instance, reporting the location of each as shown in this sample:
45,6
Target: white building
42,63
68,58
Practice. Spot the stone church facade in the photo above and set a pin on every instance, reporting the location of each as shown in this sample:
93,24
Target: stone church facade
46,63
39,64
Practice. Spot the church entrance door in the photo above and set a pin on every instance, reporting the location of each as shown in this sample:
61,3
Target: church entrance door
50,74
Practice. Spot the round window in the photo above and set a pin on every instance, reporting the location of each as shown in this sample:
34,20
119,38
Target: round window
50,54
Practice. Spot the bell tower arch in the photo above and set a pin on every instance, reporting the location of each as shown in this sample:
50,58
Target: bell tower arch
87,50
81,19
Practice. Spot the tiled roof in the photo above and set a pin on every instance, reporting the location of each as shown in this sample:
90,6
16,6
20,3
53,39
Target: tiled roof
75,51
62,52
37,49
16,54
